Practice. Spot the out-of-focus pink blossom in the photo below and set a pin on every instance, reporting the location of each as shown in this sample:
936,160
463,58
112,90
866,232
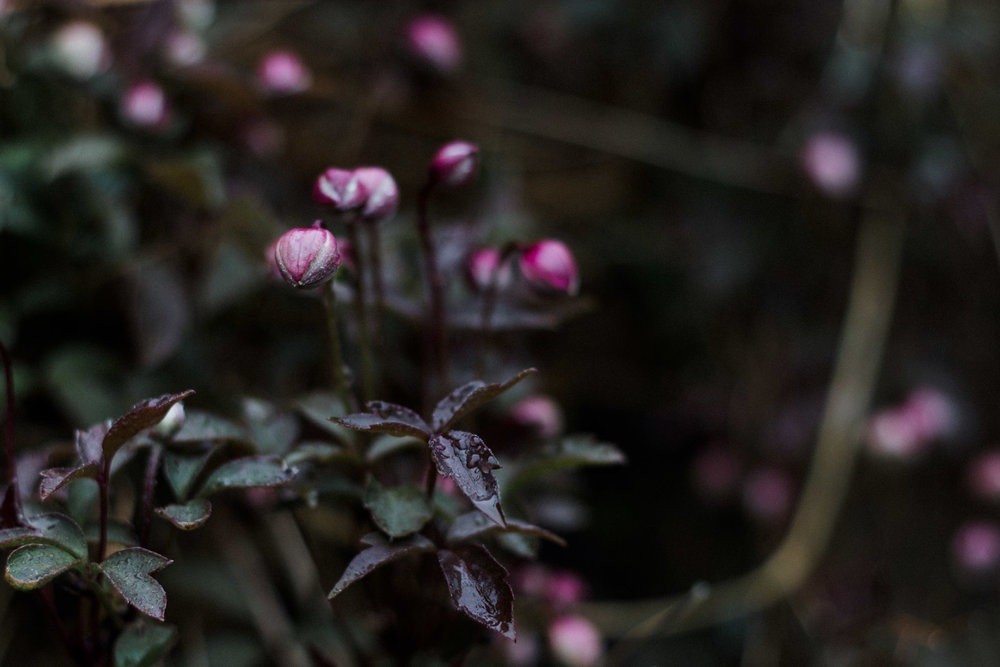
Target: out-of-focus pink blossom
433,41
932,412
715,473
283,73
976,547
768,494
575,641
522,653
550,266
80,49
340,188
984,476
908,429
564,589
144,104
455,164
481,264
832,163
540,414
381,191
263,137
184,48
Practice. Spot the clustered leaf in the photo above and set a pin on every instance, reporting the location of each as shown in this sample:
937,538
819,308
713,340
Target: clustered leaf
129,570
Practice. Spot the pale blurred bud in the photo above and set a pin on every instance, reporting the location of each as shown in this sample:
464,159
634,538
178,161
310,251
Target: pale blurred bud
575,641
831,161
540,414
433,41
144,105
339,188
976,548
893,433
184,48
933,413
455,164
80,49
983,476
172,421
381,190
196,14
768,494
481,264
283,73
565,589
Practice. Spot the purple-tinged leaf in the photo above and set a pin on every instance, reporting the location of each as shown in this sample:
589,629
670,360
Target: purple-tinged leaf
60,530
478,587
475,524
54,479
143,415
187,516
16,537
371,422
129,570
397,510
249,471
34,565
89,443
379,552
470,397
142,644
182,468
118,533
466,459
398,414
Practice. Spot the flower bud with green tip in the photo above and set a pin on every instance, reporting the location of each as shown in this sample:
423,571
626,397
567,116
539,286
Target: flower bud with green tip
307,256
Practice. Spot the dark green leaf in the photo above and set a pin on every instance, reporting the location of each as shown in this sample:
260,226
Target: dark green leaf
181,469
129,571
62,531
15,537
385,445
475,524
378,553
470,397
571,452
248,471
143,415
315,452
272,430
187,516
397,510
466,459
319,407
118,533
160,310
34,565
142,644
200,426
478,587
373,423
54,479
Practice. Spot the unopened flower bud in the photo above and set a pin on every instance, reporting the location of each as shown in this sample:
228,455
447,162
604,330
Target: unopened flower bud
283,73
976,548
831,161
184,48
383,193
455,164
172,421
481,265
339,188
80,49
575,641
144,105
307,256
433,41
540,414
550,266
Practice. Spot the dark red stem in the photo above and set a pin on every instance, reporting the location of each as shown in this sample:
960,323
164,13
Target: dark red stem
436,337
147,494
14,491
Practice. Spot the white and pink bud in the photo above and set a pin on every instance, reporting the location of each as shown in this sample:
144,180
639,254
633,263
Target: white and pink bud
183,48
575,641
307,256
831,161
382,193
549,266
455,164
433,41
80,49
540,414
340,188
283,73
144,104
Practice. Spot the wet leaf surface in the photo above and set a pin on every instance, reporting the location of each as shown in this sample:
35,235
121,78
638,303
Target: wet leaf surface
89,443
476,524
249,471
187,516
466,459
386,418
379,552
143,415
34,565
142,644
470,397
397,510
478,587
54,479
182,468
62,531
201,426
129,571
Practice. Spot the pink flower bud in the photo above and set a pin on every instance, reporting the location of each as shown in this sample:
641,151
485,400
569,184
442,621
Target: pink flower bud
481,264
283,73
549,266
893,433
144,105
976,547
540,414
340,188
455,164
934,414
984,476
831,161
575,641
433,41
307,256
80,49
184,48
565,589
767,495
383,193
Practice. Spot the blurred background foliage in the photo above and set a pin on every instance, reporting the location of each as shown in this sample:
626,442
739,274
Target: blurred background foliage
666,143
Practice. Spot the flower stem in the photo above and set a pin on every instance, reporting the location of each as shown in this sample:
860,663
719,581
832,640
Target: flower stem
336,358
147,493
361,315
378,282
436,352
13,492
489,305
103,480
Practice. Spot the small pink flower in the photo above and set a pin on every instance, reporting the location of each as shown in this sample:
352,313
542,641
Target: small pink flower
340,188
550,266
933,413
382,193
976,547
540,414
144,105
893,433
283,73
455,164
307,256
767,494
575,641
831,161
481,264
564,589
984,476
433,41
